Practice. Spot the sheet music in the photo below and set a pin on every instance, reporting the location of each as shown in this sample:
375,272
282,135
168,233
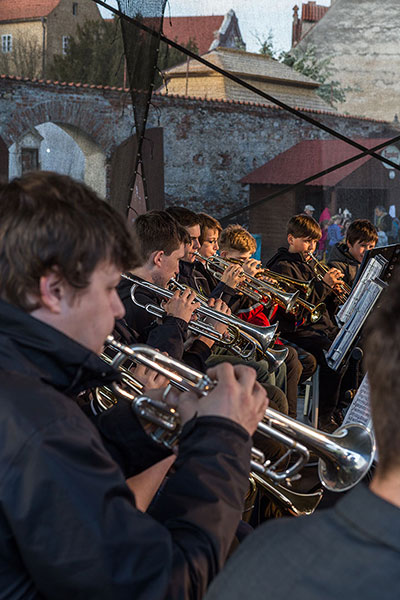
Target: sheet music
359,410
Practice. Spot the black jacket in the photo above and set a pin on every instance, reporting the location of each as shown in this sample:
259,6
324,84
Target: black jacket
196,276
341,258
294,265
68,522
167,334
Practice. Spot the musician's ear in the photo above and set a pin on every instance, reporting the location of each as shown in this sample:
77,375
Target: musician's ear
290,239
158,258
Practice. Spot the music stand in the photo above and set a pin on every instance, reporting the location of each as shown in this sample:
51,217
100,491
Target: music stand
390,253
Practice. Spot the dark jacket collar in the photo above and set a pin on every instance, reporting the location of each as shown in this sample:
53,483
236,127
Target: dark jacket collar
284,254
186,268
360,507
31,347
340,252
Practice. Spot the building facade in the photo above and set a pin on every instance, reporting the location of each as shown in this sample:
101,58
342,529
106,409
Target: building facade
362,38
33,31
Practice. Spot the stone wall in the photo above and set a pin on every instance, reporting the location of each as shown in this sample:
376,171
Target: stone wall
208,145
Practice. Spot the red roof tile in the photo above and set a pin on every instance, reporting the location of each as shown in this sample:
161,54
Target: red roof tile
26,9
199,29
313,11
309,157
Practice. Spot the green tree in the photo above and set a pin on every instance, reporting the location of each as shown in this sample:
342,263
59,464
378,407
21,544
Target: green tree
319,69
306,62
95,55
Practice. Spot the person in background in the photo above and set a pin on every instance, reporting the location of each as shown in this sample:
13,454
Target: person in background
309,210
325,215
384,224
334,231
323,242
382,238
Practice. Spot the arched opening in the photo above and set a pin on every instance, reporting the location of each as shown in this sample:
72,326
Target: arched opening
61,148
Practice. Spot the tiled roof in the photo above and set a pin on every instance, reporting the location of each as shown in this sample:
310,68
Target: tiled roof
246,63
200,30
26,9
313,11
266,74
308,157
180,97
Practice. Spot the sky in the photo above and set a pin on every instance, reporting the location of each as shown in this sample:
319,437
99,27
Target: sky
256,17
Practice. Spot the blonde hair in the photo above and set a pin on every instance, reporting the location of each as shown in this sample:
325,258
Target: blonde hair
236,237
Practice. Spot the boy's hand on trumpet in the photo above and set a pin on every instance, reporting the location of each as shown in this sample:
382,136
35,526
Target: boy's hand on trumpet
236,396
182,305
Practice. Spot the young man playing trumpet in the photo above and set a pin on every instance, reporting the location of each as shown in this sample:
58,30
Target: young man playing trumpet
161,240
303,233
238,244
68,520
190,276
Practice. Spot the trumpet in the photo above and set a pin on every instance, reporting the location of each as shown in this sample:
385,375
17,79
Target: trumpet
316,311
166,419
242,338
251,286
306,287
274,357
344,456
320,270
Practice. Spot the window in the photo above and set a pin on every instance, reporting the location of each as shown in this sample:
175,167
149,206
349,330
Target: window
65,44
6,43
74,8
29,159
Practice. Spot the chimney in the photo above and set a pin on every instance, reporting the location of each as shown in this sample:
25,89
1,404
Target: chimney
296,26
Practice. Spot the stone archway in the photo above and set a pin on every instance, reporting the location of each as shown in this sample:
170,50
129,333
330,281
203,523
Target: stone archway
80,123
95,159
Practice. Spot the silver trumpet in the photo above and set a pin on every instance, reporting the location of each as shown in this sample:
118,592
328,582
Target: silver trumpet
285,284
166,419
251,286
274,357
242,338
344,456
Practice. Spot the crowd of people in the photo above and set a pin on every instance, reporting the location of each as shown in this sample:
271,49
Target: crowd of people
334,228
92,506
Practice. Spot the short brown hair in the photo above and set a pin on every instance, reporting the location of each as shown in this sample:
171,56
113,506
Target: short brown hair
304,226
157,230
361,230
236,237
382,359
51,221
208,222
184,216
